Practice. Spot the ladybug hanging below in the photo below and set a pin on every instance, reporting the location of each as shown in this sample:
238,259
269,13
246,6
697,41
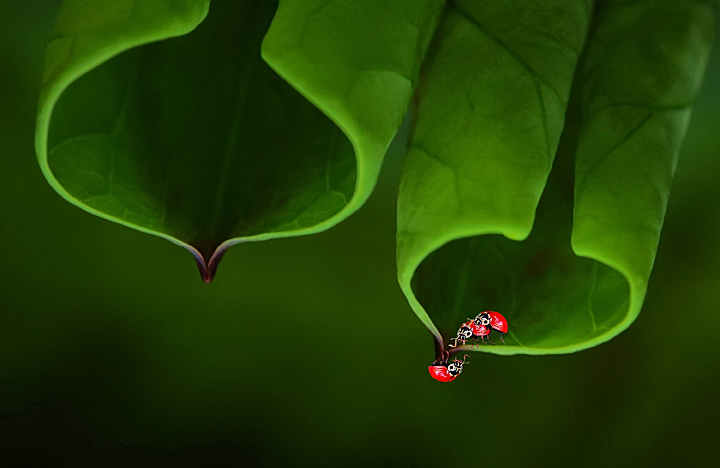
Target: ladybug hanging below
444,372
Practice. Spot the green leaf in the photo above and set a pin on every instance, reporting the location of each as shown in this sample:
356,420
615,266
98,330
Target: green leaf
186,124
567,274
210,129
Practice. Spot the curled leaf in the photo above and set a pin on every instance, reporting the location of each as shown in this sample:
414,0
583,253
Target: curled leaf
567,273
214,123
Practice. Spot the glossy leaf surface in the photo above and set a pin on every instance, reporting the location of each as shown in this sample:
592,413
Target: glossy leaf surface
259,123
570,272
204,141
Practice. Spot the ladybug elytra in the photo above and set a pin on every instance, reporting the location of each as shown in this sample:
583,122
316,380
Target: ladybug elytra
442,371
480,327
494,320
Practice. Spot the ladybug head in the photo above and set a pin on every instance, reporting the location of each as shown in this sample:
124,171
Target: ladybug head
483,319
465,333
456,366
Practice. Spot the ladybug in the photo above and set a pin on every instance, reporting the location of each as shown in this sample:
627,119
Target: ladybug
480,327
494,320
470,330
444,372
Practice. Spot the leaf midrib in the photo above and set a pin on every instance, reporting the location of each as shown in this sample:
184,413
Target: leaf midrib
536,77
241,101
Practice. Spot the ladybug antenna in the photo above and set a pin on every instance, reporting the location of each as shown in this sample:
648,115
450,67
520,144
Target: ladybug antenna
465,357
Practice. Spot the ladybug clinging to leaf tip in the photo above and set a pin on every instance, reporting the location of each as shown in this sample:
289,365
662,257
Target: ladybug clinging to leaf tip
444,372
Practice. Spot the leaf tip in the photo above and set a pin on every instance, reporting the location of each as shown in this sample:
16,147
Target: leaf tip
208,268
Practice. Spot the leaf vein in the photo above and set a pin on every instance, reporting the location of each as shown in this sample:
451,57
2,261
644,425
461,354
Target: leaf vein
582,183
452,5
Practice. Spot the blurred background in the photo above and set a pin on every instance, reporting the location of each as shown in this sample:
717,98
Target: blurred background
304,351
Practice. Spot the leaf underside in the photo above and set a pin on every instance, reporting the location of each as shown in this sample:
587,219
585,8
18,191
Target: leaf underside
483,224
197,138
251,122
551,297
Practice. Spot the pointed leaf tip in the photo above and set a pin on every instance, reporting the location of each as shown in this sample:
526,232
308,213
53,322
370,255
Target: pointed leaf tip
208,268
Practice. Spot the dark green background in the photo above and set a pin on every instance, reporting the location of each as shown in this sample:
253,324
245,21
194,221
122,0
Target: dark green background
304,351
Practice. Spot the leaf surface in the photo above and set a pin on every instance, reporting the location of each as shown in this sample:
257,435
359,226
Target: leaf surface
176,118
569,270
254,121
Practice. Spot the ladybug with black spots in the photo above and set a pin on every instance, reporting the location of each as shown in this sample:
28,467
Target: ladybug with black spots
442,371
480,327
469,330
490,320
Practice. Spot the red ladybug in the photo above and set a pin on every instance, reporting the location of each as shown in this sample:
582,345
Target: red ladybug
470,330
480,327
444,372
494,320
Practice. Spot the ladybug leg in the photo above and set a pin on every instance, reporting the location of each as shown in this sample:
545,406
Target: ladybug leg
501,337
